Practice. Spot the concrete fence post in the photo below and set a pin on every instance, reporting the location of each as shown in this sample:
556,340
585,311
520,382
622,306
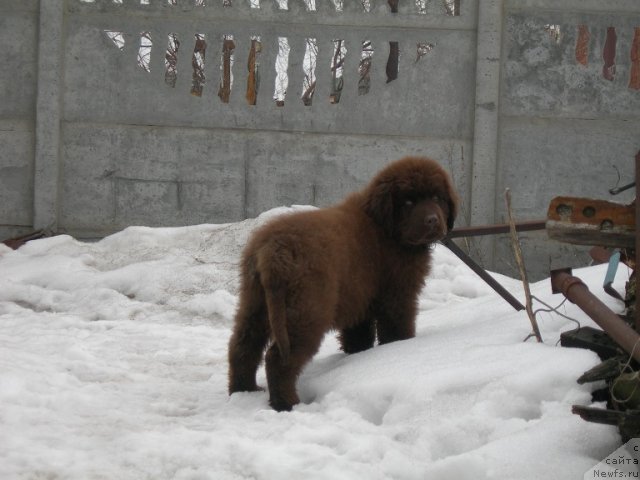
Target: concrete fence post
48,114
485,143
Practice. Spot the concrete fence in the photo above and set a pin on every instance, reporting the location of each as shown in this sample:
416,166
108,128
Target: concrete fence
175,112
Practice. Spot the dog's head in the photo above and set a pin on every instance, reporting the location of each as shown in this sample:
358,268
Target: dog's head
413,200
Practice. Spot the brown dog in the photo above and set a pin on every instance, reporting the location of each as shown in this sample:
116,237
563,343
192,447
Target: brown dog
357,267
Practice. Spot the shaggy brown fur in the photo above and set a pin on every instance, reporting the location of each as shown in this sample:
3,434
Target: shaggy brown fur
356,267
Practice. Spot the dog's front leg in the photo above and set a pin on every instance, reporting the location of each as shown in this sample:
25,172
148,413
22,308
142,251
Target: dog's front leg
396,318
358,337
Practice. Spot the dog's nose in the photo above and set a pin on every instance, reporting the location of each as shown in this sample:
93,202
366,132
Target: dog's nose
431,221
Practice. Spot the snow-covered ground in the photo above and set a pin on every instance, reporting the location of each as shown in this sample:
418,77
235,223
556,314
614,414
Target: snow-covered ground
113,366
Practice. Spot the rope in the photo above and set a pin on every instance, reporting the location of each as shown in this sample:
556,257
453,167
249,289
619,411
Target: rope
633,376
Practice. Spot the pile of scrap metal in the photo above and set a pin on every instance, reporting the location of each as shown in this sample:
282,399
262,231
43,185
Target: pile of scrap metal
611,225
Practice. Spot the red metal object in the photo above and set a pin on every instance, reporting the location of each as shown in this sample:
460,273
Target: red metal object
587,221
17,242
577,292
528,226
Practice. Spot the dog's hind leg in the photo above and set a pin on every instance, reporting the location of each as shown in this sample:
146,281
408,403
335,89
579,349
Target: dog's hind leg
248,340
282,377
307,318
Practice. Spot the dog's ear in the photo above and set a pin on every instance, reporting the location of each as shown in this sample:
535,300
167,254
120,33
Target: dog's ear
452,215
378,204
452,202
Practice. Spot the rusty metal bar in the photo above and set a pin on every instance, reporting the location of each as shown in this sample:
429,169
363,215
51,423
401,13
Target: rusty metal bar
482,273
17,242
496,229
618,190
577,292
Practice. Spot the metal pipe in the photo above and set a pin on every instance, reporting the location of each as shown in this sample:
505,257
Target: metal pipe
617,190
577,292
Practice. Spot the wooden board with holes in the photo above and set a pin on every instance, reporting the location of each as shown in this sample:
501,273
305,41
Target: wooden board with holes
585,221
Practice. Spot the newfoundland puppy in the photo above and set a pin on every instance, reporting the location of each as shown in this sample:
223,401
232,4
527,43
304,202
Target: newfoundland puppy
356,267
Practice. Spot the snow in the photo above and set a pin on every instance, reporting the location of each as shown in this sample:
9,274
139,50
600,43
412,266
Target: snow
113,365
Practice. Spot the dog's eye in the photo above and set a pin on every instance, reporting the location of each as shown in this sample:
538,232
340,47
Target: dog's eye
436,198
408,202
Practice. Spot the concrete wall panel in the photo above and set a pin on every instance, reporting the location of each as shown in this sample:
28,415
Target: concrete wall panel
566,127
19,58
16,173
18,81
545,158
429,97
114,176
542,76
325,168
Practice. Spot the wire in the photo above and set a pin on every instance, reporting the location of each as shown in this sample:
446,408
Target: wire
550,309
633,376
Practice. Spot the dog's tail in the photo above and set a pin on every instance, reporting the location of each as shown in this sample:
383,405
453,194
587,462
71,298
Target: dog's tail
278,321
